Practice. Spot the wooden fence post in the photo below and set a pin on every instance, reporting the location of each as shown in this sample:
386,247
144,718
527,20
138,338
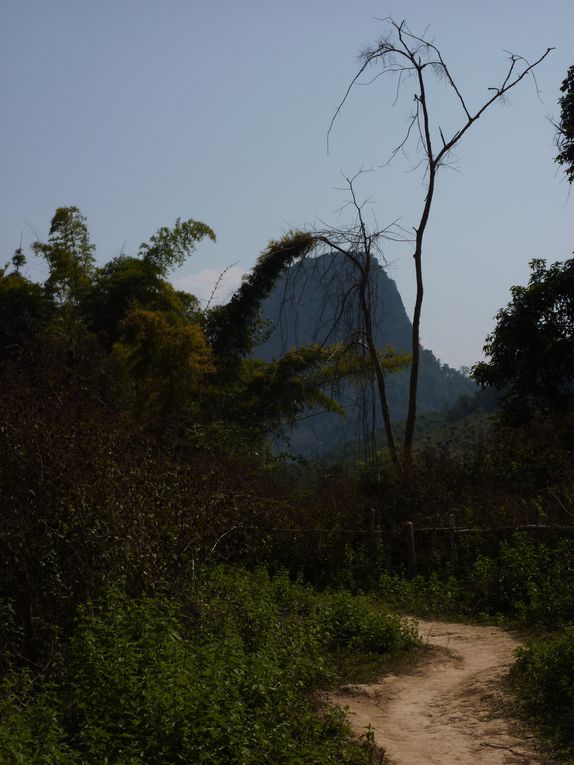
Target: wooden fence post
409,532
452,541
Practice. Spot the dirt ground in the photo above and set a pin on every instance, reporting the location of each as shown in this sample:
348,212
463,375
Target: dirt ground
449,710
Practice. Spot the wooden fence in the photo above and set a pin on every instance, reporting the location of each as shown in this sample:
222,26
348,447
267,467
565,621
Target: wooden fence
453,532
410,532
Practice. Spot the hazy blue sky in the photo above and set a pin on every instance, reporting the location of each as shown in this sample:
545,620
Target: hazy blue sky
140,111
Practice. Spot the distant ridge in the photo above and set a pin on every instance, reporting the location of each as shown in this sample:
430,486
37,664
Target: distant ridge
314,303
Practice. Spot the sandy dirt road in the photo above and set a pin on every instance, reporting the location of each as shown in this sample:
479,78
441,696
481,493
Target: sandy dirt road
449,710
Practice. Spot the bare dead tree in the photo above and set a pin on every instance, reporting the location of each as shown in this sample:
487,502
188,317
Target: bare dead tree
348,314
361,247
412,57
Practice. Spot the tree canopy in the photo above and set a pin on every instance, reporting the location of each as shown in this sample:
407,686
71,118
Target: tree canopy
531,350
148,350
69,254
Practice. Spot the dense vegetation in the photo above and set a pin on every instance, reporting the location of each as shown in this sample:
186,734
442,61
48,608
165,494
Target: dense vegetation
156,557
544,677
224,677
531,353
132,448
132,460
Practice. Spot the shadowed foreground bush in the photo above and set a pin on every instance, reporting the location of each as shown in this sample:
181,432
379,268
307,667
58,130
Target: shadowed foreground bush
226,680
544,679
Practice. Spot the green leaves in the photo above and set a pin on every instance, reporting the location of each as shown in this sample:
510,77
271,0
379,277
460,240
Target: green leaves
231,327
23,305
70,256
531,351
169,361
169,248
544,679
231,682
163,355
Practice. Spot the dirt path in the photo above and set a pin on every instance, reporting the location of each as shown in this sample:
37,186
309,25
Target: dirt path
448,711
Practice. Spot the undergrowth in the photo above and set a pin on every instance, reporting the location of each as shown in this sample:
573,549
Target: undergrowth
227,678
544,681
524,582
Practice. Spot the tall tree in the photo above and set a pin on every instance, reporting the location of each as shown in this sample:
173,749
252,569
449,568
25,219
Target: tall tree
413,58
169,361
531,350
23,307
360,247
126,281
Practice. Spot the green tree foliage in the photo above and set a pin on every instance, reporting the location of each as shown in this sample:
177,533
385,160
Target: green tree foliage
169,248
168,359
565,128
23,305
232,327
126,282
70,256
18,259
531,351
278,392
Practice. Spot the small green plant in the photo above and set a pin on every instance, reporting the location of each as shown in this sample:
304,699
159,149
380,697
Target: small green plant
527,580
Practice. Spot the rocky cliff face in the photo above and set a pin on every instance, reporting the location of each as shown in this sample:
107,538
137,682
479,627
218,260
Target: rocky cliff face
316,302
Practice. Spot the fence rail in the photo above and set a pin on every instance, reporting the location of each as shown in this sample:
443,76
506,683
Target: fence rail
417,529
409,533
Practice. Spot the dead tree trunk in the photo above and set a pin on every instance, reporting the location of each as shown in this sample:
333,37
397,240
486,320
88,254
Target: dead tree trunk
403,53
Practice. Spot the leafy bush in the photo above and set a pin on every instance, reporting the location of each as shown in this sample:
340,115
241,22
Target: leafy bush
31,729
226,678
528,580
231,687
352,622
544,679
502,582
10,635
522,578
431,595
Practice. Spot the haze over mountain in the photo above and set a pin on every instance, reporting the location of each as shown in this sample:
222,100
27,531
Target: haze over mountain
315,302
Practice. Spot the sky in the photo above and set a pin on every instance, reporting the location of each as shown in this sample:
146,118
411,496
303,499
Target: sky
143,111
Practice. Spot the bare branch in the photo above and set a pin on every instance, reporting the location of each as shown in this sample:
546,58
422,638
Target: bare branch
452,83
402,144
500,92
345,97
218,281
